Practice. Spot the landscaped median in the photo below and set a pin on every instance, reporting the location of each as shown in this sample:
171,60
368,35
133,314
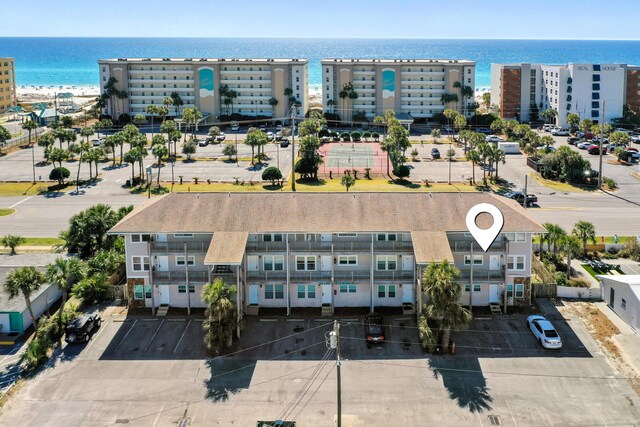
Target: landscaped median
334,185
8,189
562,186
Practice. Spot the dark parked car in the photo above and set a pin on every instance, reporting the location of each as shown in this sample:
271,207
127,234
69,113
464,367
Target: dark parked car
593,149
374,328
519,197
435,153
572,140
284,143
81,328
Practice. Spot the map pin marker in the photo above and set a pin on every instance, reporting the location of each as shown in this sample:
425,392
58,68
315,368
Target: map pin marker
484,237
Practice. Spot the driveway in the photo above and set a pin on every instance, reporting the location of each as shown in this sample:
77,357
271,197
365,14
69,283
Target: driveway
131,373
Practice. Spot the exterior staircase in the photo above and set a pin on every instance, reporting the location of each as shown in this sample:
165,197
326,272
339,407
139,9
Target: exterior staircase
327,310
252,310
162,310
495,308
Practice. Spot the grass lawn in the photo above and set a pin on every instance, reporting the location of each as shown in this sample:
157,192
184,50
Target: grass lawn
562,186
608,240
362,185
5,212
593,273
42,241
22,188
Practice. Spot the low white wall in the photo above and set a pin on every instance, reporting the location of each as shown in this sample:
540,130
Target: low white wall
583,293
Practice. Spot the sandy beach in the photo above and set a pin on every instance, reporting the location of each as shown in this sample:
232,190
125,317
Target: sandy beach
82,94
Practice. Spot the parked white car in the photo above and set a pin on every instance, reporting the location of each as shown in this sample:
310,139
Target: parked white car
544,332
584,145
235,127
494,138
560,132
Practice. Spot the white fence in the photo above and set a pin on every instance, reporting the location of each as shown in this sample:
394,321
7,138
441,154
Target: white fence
580,293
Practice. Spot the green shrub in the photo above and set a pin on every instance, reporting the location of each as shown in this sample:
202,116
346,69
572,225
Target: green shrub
36,352
631,250
401,171
610,182
561,279
579,283
428,338
59,174
92,288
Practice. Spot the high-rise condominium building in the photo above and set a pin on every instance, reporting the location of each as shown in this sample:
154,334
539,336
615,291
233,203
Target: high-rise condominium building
8,97
523,91
407,86
217,87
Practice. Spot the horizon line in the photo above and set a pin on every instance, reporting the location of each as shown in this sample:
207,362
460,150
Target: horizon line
317,38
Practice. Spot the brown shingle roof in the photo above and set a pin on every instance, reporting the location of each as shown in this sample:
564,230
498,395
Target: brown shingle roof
318,212
431,246
227,247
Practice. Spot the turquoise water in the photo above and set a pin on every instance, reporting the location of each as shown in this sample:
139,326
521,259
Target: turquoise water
72,61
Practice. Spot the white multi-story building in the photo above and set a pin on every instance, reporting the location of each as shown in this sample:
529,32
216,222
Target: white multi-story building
200,83
407,86
521,91
321,250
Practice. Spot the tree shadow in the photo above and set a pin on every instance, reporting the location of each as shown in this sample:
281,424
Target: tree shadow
404,183
463,379
270,187
228,377
311,182
257,166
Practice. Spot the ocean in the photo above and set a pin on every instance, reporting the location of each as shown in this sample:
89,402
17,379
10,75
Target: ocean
72,61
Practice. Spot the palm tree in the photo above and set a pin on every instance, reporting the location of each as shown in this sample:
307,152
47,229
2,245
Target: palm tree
474,157
83,146
159,151
273,102
12,242
554,234
584,231
497,156
176,101
570,246
440,285
29,126
330,104
64,273
151,110
25,281
220,314
348,181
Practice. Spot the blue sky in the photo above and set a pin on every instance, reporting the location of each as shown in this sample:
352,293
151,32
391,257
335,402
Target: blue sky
537,19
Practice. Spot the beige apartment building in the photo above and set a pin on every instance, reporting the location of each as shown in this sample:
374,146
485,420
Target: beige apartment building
8,95
321,250
198,82
409,87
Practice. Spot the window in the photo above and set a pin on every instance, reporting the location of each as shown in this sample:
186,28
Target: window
140,263
386,237
273,262
387,262
272,237
137,238
138,292
273,291
596,67
477,287
595,95
386,291
191,260
147,291
515,262
347,288
183,235
596,77
509,290
595,104
348,260
515,237
182,289
595,86
306,291
306,263
595,113
477,260
623,304
519,290
467,287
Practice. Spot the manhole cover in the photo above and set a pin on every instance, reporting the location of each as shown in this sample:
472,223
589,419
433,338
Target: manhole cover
298,329
495,420
122,421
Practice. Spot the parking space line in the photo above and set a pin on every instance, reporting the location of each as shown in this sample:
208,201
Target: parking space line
127,334
93,338
154,335
181,336
155,421
21,201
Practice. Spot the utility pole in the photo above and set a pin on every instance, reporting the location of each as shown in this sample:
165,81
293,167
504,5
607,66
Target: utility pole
186,277
334,343
293,148
449,156
600,149
236,135
471,281
526,181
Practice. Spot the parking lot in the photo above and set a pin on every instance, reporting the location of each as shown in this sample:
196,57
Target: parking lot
146,372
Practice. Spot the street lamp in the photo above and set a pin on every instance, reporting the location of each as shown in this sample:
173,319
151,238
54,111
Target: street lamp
149,180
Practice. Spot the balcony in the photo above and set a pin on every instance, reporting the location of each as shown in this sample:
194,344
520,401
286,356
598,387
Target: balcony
310,275
481,275
176,277
465,246
266,275
244,80
160,72
133,81
178,247
227,73
266,247
393,275
310,246
352,246
397,246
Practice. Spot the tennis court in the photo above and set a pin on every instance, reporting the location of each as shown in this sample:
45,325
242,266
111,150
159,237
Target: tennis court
346,155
